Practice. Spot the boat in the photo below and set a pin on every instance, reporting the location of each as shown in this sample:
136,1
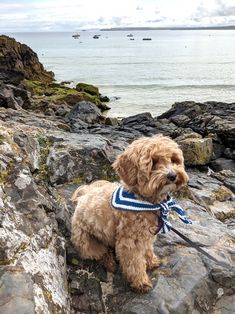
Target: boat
96,36
146,38
130,35
76,36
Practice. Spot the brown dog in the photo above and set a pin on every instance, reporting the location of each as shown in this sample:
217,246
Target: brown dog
151,168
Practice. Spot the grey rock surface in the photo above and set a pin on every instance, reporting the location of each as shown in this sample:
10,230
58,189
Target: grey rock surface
41,163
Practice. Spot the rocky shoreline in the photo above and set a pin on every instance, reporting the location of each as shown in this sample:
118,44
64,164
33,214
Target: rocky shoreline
54,138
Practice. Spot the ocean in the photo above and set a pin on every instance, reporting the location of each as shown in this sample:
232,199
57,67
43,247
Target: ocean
138,75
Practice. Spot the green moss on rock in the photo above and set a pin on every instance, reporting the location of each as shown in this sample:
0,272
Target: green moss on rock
58,93
87,88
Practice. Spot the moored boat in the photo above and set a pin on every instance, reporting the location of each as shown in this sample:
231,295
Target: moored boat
76,36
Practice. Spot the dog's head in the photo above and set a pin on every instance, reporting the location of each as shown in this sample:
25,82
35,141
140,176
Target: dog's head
152,167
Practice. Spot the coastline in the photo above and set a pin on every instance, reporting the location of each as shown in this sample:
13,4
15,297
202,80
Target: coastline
53,139
146,76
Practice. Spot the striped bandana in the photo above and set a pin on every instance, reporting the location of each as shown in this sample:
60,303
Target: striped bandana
123,200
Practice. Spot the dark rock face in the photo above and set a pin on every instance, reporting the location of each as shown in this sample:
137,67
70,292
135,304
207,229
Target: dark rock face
14,97
86,112
18,61
205,118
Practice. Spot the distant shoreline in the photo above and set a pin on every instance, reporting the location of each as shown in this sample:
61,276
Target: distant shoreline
168,28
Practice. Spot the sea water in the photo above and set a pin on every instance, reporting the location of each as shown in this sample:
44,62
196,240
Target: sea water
138,75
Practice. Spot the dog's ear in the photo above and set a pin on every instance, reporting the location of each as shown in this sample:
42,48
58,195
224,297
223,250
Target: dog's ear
145,164
126,168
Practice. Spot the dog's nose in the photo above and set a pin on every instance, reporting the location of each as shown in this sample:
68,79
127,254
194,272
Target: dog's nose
171,176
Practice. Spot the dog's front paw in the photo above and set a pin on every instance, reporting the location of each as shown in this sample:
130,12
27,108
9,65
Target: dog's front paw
142,287
153,263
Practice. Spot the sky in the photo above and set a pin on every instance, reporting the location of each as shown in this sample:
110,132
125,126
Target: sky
74,15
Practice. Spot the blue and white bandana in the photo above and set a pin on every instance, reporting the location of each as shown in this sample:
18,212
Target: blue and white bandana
124,200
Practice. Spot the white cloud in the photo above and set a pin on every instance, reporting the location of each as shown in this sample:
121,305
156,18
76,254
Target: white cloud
33,15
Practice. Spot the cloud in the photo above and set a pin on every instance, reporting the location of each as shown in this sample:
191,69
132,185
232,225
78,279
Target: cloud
223,12
72,15
224,9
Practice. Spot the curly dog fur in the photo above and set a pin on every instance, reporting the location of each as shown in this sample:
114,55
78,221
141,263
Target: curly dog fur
151,168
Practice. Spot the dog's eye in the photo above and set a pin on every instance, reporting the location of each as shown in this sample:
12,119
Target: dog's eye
175,160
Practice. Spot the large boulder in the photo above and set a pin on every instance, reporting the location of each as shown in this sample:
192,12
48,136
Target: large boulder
18,61
87,112
196,150
77,158
14,97
87,88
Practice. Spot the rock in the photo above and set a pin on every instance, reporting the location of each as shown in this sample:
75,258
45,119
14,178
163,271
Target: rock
230,183
180,120
189,109
89,89
205,118
104,98
16,292
18,61
225,304
142,118
166,127
111,121
14,97
80,159
86,112
33,269
59,94
196,151
223,163
229,153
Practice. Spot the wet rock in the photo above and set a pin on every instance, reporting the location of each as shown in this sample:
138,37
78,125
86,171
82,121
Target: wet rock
104,98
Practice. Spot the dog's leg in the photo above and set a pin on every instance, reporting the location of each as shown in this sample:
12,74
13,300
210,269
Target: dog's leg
152,260
91,248
133,263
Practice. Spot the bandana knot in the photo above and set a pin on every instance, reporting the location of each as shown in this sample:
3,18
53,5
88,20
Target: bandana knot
124,200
